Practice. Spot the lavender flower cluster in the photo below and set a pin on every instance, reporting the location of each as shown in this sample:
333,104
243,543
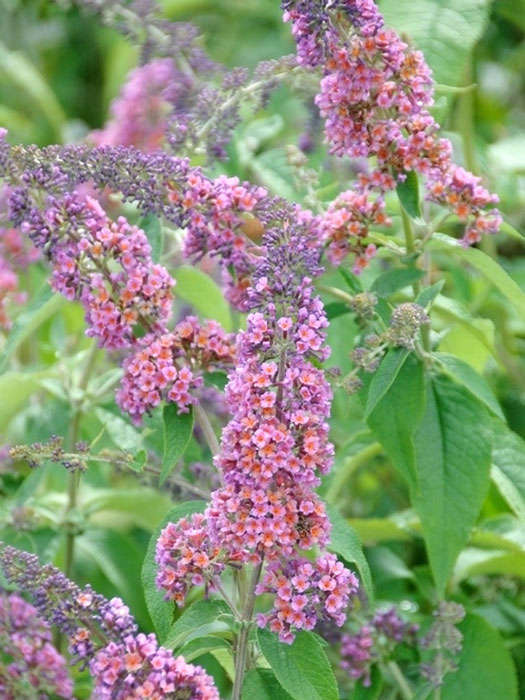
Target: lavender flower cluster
31,666
375,98
123,663
273,449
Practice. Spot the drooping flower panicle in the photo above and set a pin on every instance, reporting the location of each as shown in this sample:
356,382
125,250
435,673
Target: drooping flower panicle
375,96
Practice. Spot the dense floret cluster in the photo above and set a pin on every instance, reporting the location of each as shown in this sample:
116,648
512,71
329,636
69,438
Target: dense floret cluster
102,634
169,367
30,666
375,96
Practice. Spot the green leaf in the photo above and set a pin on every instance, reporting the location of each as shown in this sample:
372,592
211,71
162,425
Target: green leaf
139,461
397,415
202,645
336,309
462,373
152,227
197,288
126,507
178,429
160,610
488,562
384,377
261,684
345,542
424,692
15,389
408,193
444,30
119,558
453,455
484,264
486,670
427,296
42,306
22,73
199,614
120,431
302,667
352,281
508,467
512,232
391,281
272,170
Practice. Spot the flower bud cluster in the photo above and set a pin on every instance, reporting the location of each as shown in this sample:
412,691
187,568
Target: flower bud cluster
103,635
405,323
105,264
38,453
168,367
375,97
31,666
443,642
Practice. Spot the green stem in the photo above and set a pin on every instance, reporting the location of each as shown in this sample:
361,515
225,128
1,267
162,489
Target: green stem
404,687
416,286
207,428
74,477
437,693
243,640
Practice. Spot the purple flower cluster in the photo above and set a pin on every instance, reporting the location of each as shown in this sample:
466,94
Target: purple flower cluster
218,211
15,255
31,666
168,367
139,114
373,642
219,215
186,557
375,97
102,634
138,668
276,444
305,593
345,226
105,264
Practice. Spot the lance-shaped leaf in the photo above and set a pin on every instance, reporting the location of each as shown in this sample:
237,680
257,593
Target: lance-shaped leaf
453,457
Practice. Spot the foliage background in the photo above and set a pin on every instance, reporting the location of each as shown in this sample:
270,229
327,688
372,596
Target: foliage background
59,71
